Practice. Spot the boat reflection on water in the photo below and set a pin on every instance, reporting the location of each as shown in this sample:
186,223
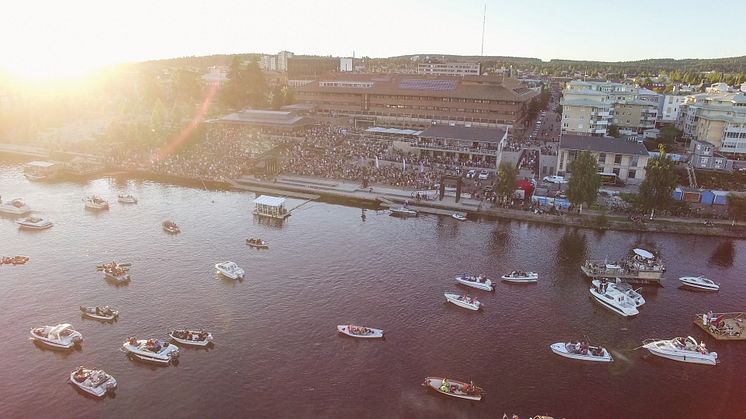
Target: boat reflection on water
723,255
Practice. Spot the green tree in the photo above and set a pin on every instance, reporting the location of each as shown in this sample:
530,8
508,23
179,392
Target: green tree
256,86
614,130
585,181
669,134
736,207
505,181
656,191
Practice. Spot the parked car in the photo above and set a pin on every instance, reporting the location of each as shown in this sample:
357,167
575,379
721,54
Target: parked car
555,179
471,173
484,175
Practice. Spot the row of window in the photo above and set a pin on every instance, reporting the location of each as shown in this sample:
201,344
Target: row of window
302,94
735,135
441,109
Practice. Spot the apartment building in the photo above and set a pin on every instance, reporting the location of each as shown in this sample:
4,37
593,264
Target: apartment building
716,118
449,69
671,106
627,159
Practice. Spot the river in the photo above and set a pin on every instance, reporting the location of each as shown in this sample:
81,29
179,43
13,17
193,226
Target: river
277,353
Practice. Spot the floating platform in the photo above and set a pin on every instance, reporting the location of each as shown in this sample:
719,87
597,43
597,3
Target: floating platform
602,269
732,326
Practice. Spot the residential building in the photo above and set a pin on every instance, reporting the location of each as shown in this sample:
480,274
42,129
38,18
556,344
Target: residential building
216,76
266,119
671,106
278,62
310,67
400,100
590,107
282,60
449,69
345,64
716,118
463,143
703,156
627,159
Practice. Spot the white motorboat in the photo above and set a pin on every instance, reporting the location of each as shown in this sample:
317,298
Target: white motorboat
479,282
699,283
104,313
359,331
627,289
14,207
126,199
229,270
463,301
96,382
403,212
613,299
581,351
34,223
521,277
459,216
96,203
152,350
191,337
683,350
60,336
454,388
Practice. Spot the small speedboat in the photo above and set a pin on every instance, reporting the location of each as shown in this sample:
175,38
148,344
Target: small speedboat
171,227
360,331
613,299
581,351
699,283
229,270
257,243
463,301
403,212
96,382
126,199
114,271
60,336
521,277
34,223
104,313
683,350
191,337
14,207
13,260
152,350
454,388
479,282
96,203
459,216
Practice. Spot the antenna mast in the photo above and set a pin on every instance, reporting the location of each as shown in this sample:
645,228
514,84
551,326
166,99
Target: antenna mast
484,19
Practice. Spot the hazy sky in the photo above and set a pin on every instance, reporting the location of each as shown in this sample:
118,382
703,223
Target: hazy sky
60,37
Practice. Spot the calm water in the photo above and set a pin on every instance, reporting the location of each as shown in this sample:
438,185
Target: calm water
277,353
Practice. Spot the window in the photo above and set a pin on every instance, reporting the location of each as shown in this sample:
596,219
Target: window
602,158
635,161
615,171
631,174
617,159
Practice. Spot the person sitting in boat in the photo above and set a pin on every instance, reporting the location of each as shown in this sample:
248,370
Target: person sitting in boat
132,341
79,375
444,387
701,348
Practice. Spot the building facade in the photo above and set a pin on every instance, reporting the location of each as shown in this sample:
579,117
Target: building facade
703,156
671,106
400,100
449,69
716,118
626,159
462,143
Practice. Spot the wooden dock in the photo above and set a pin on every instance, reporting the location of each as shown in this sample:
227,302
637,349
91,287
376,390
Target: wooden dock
733,326
633,277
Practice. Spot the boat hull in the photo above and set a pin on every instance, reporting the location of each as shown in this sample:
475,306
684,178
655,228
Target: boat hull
691,359
629,312
692,284
192,342
560,349
484,286
375,333
434,383
454,299
147,356
57,344
99,390
92,314
519,280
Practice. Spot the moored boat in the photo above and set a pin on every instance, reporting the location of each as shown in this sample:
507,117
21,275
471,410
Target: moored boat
459,216
463,301
521,277
191,337
627,289
93,381
14,207
360,331
479,282
613,299
403,212
60,336
454,388
723,326
170,227
96,203
13,260
682,350
34,223
699,283
257,243
581,351
152,350
104,313
115,271
229,270
126,199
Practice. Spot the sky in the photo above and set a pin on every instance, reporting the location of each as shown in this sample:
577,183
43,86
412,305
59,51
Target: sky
40,38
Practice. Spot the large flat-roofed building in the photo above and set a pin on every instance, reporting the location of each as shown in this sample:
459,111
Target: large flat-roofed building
627,159
462,143
401,100
449,69
716,118
274,120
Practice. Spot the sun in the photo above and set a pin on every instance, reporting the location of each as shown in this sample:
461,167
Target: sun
50,70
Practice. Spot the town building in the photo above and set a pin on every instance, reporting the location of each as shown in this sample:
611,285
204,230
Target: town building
215,76
449,69
591,107
277,62
346,64
627,159
304,67
463,143
409,101
280,121
703,156
716,118
671,106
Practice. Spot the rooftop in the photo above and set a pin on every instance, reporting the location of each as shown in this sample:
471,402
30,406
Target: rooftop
458,132
267,118
602,145
272,201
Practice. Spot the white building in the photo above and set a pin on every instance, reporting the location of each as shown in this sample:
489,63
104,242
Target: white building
345,64
449,69
716,118
277,62
671,106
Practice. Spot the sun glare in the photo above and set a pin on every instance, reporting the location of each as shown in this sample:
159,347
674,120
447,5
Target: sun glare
51,71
